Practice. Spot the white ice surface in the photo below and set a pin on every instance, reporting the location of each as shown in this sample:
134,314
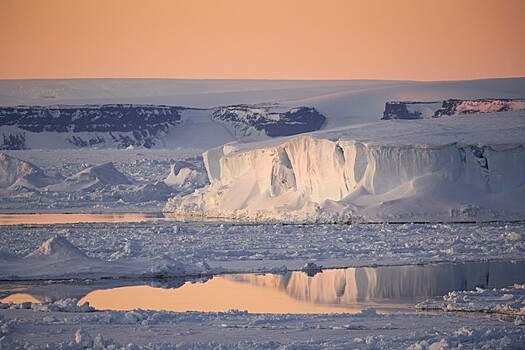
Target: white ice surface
229,247
139,329
342,102
78,180
507,301
462,168
251,248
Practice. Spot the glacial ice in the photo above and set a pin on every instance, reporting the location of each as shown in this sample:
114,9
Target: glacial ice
184,175
334,176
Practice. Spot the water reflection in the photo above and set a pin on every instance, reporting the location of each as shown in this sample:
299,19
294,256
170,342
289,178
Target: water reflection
389,284
339,290
56,218
218,294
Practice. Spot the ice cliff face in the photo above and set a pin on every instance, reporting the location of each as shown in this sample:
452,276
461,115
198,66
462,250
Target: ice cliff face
128,125
486,105
324,177
121,124
184,175
247,121
410,110
425,110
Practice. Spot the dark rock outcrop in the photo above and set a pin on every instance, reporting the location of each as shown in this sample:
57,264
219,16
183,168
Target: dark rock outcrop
273,124
135,125
422,110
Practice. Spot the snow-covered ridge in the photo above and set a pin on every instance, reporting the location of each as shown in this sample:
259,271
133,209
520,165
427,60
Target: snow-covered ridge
247,120
425,110
336,176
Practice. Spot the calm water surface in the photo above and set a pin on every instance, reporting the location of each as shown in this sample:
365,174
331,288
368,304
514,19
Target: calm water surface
388,289
57,218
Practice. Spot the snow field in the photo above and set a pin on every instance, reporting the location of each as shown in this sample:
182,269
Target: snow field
240,330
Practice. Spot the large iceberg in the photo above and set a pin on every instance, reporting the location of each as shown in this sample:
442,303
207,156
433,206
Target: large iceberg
448,169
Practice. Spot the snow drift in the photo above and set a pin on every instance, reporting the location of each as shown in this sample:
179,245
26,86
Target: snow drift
451,169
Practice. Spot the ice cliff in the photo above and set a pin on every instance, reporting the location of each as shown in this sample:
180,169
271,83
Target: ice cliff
148,126
434,169
245,121
410,110
122,124
424,110
485,105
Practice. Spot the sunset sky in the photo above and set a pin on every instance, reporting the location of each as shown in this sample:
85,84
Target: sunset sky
262,39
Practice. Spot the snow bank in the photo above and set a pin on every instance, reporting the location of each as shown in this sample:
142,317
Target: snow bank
442,170
140,329
62,305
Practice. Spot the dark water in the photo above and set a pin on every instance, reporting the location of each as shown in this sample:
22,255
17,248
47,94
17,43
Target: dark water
387,289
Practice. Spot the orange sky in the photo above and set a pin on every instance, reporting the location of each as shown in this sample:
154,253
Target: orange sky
265,39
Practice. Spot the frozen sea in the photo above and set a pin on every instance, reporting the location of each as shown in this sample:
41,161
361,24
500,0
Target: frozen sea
157,283
154,281
87,260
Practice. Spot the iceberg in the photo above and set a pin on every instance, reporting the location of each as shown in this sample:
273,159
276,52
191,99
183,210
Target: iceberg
446,169
16,173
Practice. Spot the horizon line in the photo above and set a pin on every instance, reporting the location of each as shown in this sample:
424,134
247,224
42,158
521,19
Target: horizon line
263,79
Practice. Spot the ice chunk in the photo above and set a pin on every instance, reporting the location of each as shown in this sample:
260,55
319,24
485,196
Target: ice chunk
57,247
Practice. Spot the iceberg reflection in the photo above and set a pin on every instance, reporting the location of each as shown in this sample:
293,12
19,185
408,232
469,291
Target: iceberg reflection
389,284
388,289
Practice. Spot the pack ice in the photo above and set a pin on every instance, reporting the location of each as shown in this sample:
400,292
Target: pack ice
460,168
